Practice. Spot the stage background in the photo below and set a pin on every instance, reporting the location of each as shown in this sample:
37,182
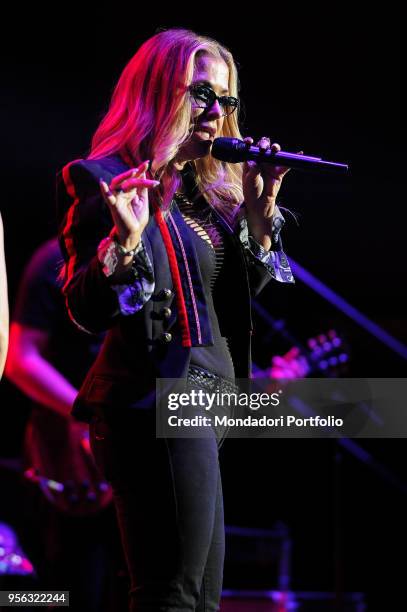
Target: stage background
302,78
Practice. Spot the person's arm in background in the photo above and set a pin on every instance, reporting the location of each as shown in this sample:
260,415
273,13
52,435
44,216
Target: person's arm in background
28,368
3,303
36,318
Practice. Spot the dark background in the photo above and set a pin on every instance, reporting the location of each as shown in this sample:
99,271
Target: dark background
304,83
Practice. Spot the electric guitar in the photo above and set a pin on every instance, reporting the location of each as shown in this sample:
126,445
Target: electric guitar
325,355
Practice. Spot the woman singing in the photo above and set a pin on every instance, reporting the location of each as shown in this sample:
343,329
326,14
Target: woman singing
163,247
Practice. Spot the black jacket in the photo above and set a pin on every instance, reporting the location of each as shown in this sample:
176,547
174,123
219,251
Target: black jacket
146,345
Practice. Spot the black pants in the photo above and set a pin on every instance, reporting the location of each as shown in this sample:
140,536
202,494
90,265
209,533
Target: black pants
168,498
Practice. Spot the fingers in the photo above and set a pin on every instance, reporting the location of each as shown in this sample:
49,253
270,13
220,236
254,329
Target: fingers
292,353
279,361
127,182
117,181
250,165
127,188
108,196
264,143
276,172
254,168
135,183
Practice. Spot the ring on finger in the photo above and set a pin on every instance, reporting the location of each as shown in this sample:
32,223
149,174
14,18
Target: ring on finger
264,143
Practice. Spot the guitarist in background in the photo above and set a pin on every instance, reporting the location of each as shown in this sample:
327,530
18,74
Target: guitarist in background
71,528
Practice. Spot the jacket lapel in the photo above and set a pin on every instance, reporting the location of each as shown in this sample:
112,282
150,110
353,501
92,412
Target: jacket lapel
191,279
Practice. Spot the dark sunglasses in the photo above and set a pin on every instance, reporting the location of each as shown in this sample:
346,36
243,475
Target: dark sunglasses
205,97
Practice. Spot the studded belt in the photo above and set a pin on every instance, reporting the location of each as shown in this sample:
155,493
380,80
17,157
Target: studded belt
199,377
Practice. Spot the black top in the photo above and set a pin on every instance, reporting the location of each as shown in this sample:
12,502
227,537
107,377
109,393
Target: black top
211,245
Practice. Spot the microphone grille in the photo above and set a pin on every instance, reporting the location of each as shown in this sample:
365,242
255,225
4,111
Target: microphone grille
228,150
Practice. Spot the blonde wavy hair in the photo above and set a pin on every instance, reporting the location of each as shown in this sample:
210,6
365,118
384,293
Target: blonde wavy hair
150,115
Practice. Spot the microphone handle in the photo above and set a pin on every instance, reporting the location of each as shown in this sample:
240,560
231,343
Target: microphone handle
294,160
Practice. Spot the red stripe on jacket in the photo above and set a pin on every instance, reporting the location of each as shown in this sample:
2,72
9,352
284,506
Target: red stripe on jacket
176,279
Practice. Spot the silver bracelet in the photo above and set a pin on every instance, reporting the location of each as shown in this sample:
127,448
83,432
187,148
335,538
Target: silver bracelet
122,251
109,251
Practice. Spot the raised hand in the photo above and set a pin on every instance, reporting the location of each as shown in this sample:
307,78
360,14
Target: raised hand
127,199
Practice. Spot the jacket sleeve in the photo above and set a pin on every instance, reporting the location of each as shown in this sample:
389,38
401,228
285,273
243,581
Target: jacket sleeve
264,265
85,222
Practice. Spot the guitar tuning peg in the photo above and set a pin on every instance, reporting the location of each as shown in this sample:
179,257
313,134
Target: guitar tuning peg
103,487
91,497
85,484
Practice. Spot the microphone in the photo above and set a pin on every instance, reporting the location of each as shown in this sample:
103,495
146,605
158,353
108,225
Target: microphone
234,151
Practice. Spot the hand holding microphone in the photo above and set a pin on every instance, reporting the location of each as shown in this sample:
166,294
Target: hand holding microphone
261,184
264,168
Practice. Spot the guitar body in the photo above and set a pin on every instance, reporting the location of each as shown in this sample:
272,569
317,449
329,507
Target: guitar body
58,458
